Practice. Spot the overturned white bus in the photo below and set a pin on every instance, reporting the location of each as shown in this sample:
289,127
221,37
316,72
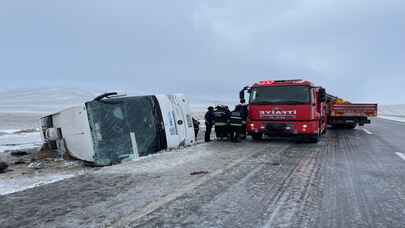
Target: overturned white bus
109,129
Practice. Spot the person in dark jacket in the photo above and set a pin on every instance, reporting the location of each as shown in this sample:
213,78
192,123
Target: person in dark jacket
242,108
235,125
209,123
196,125
222,115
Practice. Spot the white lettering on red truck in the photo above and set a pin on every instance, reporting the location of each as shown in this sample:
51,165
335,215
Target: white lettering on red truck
278,114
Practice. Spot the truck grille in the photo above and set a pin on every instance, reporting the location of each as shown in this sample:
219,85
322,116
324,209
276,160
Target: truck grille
279,129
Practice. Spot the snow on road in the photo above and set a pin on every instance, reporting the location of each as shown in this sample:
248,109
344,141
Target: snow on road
401,155
153,163
394,118
367,131
345,180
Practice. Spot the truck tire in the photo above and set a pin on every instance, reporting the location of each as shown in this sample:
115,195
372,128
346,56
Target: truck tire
334,126
257,136
313,139
351,126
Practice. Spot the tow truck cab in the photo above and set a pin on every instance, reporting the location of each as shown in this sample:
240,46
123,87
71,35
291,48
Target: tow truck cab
286,108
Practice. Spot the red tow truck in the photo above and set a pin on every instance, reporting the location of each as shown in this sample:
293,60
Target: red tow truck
299,108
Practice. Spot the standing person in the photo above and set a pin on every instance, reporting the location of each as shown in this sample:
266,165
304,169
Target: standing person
196,125
235,125
242,108
209,123
221,121
227,126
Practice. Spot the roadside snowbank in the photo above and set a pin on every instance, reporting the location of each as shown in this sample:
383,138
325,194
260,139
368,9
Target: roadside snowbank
392,112
60,170
21,183
161,161
31,172
394,118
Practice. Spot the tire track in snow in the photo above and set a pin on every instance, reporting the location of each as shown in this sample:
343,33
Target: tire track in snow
141,217
253,206
328,184
294,192
361,186
360,201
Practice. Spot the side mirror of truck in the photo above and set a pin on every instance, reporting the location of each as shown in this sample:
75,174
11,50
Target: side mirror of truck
322,94
242,93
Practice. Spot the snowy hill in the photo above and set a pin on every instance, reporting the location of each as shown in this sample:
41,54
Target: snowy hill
41,100
398,110
21,109
49,100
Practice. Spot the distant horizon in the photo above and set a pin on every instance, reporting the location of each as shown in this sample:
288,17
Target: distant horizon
53,99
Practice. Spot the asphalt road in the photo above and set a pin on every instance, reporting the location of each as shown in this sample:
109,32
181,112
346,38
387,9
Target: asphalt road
351,178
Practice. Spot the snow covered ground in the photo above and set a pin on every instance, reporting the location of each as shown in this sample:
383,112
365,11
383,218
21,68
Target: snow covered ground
394,118
392,112
20,111
17,183
21,183
14,139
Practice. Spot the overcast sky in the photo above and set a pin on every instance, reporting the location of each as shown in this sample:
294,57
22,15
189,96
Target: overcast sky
354,48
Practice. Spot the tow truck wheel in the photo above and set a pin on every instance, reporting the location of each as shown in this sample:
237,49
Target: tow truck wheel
257,136
314,139
351,126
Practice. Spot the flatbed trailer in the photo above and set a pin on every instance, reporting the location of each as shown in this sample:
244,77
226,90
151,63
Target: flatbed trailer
349,115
